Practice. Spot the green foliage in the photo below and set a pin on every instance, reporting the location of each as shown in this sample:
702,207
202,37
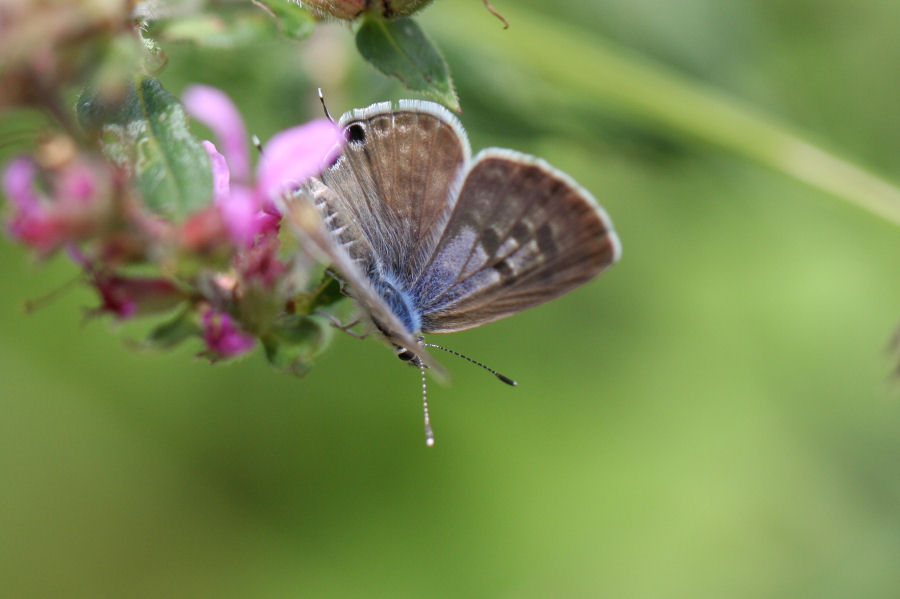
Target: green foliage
147,132
215,30
714,418
295,340
294,21
399,48
173,332
326,293
239,26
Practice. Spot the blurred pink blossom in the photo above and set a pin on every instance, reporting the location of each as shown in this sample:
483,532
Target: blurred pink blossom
288,159
47,223
127,297
222,336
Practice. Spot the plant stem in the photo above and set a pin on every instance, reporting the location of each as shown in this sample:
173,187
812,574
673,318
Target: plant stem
662,98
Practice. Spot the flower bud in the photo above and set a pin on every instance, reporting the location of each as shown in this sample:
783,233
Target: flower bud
351,9
222,336
400,8
126,297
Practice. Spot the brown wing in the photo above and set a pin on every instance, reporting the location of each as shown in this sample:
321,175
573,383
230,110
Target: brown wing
521,233
397,180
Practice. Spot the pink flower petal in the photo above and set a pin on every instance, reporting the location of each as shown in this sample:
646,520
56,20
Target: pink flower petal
220,173
126,297
223,337
214,108
18,184
268,221
77,185
295,154
238,211
38,230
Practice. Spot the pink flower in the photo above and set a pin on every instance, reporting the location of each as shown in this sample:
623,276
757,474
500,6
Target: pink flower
214,108
223,338
260,265
291,156
47,223
126,297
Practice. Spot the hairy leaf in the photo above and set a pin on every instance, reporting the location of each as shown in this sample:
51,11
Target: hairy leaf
399,48
147,132
294,342
173,332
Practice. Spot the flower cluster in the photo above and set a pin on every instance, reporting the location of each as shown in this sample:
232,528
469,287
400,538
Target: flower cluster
222,264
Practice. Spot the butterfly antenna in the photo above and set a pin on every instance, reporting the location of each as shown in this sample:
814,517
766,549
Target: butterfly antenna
254,139
429,434
325,108
503,378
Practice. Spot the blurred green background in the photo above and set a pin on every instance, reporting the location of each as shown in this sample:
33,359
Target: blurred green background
713,417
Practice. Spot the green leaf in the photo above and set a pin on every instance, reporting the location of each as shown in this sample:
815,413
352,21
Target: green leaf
399,48
292,344
293,20
226,30
173,332
147,132
325,294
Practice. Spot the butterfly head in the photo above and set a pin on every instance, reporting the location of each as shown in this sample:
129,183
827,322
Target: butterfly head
409,356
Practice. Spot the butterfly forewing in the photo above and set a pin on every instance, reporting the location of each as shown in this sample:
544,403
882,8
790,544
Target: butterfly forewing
397,179
521,233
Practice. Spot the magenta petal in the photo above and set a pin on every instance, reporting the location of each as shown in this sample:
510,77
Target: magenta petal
214,108
38,230
223,337
295,154
77,184
220,173
268,221
18,184
238,211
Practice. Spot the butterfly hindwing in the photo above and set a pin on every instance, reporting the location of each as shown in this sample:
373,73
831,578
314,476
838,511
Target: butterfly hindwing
521,233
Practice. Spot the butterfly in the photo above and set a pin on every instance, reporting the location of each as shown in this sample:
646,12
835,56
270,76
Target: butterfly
430,239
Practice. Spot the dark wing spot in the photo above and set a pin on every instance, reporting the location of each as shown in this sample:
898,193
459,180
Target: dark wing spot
545,241
504,269
490,241
356,134
521,233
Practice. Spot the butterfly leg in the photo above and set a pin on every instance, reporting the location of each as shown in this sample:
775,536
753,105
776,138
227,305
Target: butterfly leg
342,284
347,328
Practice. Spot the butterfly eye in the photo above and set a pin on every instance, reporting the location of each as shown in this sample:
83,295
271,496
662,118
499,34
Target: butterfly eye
405,355
356,134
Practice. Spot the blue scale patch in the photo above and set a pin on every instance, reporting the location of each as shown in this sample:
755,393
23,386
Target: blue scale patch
401,302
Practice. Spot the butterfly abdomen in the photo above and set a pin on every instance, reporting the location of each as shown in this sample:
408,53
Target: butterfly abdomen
401,302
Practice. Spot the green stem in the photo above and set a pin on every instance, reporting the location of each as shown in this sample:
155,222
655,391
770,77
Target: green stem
661,97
